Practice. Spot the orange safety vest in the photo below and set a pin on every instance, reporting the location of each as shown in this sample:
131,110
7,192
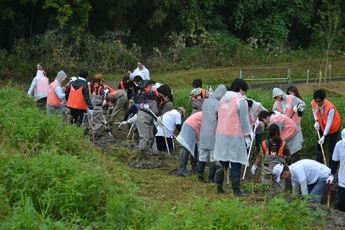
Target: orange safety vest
108,87
76,99
53,99
323,119
266,150
122,86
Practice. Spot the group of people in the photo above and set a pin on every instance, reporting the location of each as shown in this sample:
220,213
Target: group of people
220,131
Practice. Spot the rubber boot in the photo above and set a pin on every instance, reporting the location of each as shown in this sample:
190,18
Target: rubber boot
184,162
194,163
201,170
212,172
236,181
220,180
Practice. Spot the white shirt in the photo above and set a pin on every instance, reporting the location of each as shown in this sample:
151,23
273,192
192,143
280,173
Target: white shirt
144,73
306,172
339,155
170,119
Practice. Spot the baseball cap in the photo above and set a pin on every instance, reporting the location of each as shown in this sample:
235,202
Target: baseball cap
277,171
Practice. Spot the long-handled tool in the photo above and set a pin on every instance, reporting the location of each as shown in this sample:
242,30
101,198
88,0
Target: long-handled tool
164,128
130,130
321,146
329,191
248,156
106,124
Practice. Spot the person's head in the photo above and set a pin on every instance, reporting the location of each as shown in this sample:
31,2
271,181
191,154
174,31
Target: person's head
319,97
111,100
39,66
274,134
150,84
61,76
140,64
182,111
249,102
98,78
83,73
164,92
278,94
265,116
239,86
281,171
197,83
137,80
292,90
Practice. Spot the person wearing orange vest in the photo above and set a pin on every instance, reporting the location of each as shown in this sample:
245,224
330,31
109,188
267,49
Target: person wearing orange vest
275,152
39,88
292,107
327,122
78,98
56,95
198,95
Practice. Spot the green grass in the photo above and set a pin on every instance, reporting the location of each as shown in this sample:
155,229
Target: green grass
49,188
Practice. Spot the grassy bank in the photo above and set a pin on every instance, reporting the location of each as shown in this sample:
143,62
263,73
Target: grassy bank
51,177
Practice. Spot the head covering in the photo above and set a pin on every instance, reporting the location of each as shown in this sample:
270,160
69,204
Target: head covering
343,137
73,79
99,77
61,76
277,171
277,92
39,73
219,92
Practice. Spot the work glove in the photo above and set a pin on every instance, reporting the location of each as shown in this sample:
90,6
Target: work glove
146,106
132,119
253,169
90,112
317,125
159,119
252,135
247,140
123,123
322,140
330,179
295,108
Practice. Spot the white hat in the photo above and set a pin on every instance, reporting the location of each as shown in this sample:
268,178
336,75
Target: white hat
277,171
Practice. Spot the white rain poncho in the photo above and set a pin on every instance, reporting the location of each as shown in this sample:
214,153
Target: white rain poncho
210,118
256,108
233,125
190,132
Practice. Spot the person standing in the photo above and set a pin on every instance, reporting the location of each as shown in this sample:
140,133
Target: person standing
308,175
327,123
39,89
208,133
233,135
56,95
141,71
78,98
292,107
338,157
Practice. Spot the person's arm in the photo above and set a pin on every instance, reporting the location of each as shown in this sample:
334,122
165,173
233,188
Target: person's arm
179,127
335,158
67,90
300,104
244,117
32,87
86,95
314,111
330,118
302,179
286,153
304,187
59,92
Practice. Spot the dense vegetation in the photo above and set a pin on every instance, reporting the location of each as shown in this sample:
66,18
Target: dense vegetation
59,181
109,36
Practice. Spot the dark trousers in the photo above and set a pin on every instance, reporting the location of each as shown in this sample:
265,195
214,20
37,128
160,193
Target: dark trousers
132,110
258,141
42,103
341,199
332,141
161,145
235,168
77,116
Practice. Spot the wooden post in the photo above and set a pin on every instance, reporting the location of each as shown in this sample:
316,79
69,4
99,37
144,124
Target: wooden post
330,72
308,76
320,77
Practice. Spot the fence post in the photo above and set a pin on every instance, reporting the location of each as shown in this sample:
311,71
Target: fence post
308,76
289,76
241,74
